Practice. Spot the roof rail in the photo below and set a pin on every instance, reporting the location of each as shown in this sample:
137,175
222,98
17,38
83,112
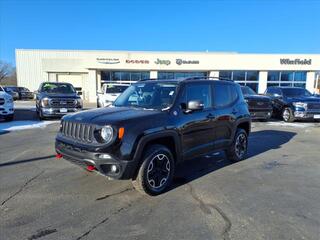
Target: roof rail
216,78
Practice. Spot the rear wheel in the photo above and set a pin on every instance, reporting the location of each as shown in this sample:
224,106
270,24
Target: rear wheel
156,171
287,115
238,150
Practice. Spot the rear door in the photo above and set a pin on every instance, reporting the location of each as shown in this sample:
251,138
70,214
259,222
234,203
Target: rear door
196,127
225,97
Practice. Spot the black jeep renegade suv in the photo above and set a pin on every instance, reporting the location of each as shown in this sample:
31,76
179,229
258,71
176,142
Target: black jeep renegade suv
154,125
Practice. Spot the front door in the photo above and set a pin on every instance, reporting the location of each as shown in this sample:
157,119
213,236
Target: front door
196,126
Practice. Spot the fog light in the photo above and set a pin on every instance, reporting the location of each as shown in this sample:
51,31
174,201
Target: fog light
104,156
114,168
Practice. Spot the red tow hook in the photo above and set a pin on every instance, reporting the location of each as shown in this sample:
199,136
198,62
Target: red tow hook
91,168
58,156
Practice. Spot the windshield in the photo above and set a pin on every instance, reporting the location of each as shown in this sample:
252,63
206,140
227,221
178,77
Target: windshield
296,92
57,88
24,89
148,95
247,91
110,88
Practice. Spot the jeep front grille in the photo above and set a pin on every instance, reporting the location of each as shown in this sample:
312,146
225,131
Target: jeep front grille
1,101
63,103
79,131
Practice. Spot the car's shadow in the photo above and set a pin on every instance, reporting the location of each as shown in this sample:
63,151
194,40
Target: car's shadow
259,142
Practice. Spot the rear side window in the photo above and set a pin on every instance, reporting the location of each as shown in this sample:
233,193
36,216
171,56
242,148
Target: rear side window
224,94
200,92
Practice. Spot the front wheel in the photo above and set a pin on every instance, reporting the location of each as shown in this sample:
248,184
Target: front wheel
287,115
238,150
156,171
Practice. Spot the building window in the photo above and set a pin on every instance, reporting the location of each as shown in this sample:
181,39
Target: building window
287,79
174,75
123,76
245,78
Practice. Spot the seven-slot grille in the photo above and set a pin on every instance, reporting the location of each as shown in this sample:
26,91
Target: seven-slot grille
2,101
259,104
64,103
79,131
313,106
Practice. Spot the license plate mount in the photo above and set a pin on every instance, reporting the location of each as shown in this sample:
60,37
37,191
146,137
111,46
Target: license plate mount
63,110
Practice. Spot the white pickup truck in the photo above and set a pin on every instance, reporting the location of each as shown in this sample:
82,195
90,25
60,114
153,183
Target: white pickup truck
109,93
6,105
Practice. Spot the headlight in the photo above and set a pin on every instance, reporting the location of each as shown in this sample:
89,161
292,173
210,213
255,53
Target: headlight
300,104
45,102
107,133
79,102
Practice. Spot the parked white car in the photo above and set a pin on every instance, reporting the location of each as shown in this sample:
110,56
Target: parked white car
110,92
6,105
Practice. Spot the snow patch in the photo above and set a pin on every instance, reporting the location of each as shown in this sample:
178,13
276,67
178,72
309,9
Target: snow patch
23,125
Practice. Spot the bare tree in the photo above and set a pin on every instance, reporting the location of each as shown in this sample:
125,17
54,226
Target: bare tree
5,70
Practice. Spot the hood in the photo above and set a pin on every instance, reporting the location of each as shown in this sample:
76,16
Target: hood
60,95
109,115
257,97
303,99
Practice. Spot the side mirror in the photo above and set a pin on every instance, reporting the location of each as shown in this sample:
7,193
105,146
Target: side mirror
195,105
79,93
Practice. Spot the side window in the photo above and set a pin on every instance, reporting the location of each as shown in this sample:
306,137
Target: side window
200,92
224,94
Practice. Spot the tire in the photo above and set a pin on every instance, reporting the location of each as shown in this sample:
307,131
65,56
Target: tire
287,115
9,118
238,150
40,115
152,169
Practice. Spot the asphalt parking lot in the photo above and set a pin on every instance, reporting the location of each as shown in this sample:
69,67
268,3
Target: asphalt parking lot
273,194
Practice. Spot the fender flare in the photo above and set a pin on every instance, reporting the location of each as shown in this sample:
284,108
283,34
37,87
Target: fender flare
144,140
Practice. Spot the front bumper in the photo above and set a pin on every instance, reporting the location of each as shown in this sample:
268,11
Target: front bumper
6,109
260,113
307,115
54,112
102,162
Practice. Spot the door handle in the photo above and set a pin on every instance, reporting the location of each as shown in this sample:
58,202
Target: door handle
211,116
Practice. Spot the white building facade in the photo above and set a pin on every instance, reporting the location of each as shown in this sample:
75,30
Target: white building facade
87,70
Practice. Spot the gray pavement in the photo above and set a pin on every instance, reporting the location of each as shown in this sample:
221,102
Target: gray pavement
273,194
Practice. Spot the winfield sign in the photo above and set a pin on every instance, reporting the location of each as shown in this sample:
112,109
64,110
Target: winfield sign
287,61
108,60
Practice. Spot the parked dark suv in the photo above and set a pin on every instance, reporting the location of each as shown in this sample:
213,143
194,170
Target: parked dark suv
155,124
293,103
56,99
260,107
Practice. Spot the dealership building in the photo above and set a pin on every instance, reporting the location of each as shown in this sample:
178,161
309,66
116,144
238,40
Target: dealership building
87,70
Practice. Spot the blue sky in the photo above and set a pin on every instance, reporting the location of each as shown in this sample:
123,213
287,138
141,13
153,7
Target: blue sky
246,26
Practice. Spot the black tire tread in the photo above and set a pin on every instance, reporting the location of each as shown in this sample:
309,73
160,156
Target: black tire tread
138,182
231,155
